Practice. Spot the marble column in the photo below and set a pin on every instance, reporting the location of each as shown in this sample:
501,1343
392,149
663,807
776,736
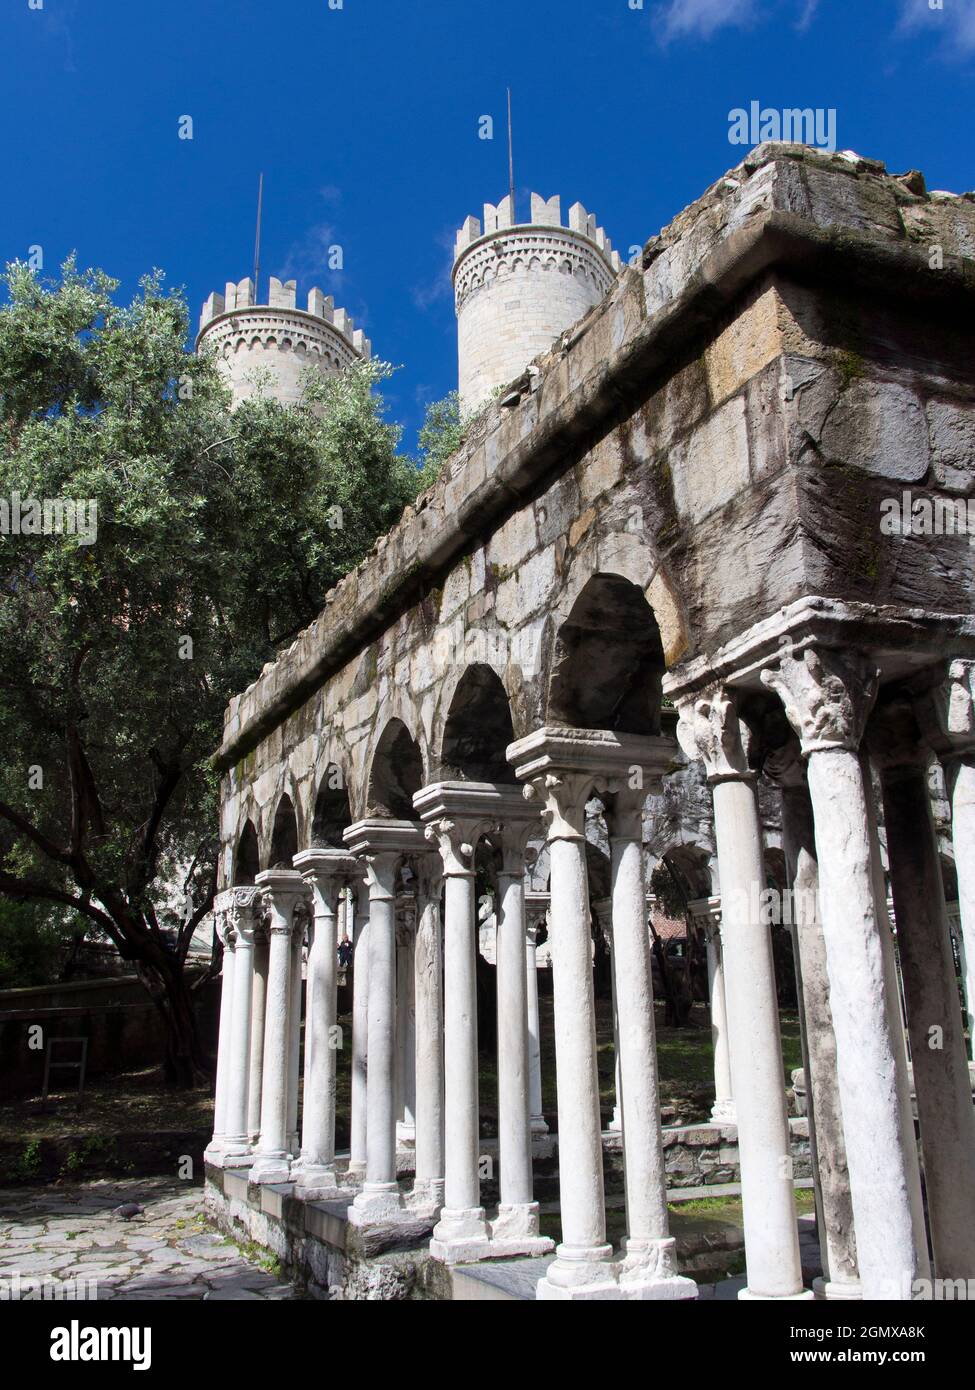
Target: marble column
325,871
827,696
604,916
946,710
258,1020
382,844
536,1118
221,915
281,891
941,1081
301,922
649,1266
515,1230
405,1022
834,1203
428,1182
708,913
462,1231
243,910
360,1029
563,768
709,729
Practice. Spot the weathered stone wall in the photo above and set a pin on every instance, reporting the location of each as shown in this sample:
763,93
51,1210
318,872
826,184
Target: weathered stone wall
715,432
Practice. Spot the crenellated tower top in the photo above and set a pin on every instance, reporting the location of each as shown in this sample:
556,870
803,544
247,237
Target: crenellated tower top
277,337
518,285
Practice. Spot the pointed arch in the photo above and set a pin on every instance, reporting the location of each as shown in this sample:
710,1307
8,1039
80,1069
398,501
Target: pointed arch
478,729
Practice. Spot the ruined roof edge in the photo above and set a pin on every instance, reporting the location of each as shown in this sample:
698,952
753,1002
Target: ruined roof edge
514,448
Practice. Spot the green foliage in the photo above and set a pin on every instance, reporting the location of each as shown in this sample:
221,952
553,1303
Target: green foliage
218,535
441,435
33,939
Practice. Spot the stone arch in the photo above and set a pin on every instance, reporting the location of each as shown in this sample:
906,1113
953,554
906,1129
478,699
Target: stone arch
478,729
395,773
692,865
284,838
608,660
247,855
332,812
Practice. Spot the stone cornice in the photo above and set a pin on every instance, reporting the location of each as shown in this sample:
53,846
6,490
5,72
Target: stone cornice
901,640
611,362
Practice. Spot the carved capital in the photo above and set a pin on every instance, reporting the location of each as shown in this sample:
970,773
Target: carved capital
561,798
456,841
709,729
381,874
827,695
624,810
241,913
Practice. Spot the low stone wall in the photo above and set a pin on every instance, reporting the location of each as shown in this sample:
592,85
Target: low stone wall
116,1015
328,1258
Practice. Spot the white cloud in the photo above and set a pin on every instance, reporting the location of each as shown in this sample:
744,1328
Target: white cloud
703,17
306,260
808,14
954,23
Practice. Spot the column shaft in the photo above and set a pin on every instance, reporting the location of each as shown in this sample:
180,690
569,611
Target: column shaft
428,1187
824,1113
317,1178
360,1030
941,1080
583,1248
271,1164
880,1148
962,782
536,1118
649,1250
258,1015
771,1236
514,1133
224,1045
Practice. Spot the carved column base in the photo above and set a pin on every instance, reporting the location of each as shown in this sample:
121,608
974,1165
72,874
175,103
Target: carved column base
580,1273
377,1203
834,1293
648,1271
426,1199
538,1125
514,1231
227,1153
460,1236
723,1112
317,1182
270,1168
747,1296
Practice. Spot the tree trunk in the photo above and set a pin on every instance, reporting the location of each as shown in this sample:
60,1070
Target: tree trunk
184,1063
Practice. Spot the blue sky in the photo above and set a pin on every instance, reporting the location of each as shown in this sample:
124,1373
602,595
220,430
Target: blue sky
365,121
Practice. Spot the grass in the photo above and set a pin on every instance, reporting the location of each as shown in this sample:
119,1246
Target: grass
139,1101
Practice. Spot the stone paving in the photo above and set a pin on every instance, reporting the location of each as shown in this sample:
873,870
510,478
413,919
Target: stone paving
166,1252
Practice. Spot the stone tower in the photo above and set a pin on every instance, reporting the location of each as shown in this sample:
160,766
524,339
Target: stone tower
277,337
517,286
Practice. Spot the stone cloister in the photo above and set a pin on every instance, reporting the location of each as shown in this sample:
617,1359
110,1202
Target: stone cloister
655,569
